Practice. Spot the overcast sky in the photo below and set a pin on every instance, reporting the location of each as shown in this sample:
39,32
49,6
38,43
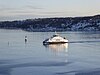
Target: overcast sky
27,9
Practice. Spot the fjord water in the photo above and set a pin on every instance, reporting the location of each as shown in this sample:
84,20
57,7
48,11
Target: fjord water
81,56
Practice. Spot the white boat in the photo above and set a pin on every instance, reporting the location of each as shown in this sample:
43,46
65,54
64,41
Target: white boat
55,39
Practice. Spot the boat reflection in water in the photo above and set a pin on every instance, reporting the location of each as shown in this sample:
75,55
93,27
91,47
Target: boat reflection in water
58,47
59,50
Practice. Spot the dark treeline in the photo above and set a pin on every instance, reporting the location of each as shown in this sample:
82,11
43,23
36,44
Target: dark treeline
88,23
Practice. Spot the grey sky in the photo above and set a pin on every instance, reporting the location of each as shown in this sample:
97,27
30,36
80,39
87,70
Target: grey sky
24,9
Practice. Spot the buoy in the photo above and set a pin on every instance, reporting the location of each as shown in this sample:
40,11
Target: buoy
25,39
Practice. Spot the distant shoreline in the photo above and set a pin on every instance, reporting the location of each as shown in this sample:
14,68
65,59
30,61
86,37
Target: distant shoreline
88,23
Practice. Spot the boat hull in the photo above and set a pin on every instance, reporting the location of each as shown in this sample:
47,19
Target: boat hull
54,42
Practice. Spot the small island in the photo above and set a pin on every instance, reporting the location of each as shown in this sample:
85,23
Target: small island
87,23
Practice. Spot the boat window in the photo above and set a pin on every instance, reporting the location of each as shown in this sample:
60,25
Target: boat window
64,38
57,39
55,35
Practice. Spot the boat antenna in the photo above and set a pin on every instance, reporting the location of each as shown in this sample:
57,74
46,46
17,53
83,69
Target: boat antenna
55,32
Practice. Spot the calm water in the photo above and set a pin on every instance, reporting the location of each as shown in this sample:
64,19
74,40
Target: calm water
79,57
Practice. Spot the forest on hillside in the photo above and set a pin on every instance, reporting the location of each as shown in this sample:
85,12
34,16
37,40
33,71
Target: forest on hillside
87,23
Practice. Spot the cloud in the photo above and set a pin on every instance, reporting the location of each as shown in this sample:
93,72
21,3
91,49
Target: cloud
33,7
51,12
27,7
57,12
6,9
